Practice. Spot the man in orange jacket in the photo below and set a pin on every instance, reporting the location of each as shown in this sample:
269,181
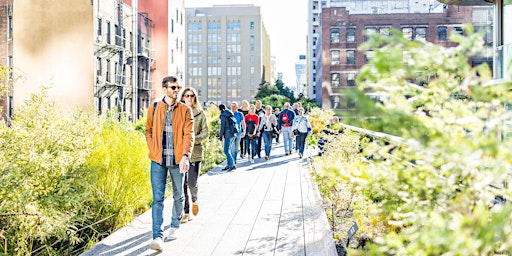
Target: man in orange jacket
170,136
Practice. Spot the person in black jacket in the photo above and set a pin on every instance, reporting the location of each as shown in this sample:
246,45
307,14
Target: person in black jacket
227,135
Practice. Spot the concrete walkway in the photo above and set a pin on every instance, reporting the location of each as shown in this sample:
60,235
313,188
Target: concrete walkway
266,208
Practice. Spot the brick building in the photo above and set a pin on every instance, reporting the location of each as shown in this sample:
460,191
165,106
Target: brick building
342,33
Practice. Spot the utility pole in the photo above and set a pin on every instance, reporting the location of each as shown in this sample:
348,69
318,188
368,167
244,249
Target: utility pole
135,63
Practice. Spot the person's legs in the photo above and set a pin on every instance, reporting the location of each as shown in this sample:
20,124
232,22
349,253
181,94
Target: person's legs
185,192
243,146
227,150
193,176
267,139
177,195
287,140
158,180
302,142
258,144
234,146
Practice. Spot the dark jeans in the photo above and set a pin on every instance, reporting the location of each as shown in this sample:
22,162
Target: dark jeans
251,146
243,146
301,142
258,144
191,182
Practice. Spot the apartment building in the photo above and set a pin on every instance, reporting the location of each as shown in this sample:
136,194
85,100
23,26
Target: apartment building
343,32
228,55
102,53
300,73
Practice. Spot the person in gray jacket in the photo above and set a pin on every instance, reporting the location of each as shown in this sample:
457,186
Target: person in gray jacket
226,135
303,126
266,127
201,132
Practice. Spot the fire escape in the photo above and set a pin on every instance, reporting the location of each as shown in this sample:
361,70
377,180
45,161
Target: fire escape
117,55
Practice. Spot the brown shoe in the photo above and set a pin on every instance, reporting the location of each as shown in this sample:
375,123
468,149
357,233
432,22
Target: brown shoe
184,219
195,208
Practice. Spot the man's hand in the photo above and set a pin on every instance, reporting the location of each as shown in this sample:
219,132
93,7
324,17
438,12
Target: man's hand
184,164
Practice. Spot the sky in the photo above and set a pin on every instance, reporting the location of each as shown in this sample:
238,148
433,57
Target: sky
286,24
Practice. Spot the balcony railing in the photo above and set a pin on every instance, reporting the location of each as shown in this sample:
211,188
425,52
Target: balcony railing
503,58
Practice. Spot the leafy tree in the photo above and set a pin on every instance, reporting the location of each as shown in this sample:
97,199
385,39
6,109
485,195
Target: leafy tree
266,90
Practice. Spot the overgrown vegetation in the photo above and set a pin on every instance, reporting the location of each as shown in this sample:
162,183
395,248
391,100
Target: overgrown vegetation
437,196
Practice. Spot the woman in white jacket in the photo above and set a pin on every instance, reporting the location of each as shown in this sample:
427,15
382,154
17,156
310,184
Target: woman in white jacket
266,128
303,126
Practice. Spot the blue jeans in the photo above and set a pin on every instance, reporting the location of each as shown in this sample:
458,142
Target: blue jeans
287,139
250,144
234,146
267,139
158,182
301,142
228,142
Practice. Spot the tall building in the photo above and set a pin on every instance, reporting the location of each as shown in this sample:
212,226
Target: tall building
228,55
6,100
102,53
300,72
343,32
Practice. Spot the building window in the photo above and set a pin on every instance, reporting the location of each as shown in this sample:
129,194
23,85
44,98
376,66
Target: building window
351,57
252,25
335,79
251,37
351,79
335,57
370,31
107,73
99,26
233,26
11,107
420,33
213,26
251,47
335,36
351,35
368,56
98,70
459,31
441,33
108,32
407,32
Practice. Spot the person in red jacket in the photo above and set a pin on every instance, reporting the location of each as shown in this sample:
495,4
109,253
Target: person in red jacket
251,130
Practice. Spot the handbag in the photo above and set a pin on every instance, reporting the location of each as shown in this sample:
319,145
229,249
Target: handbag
296,132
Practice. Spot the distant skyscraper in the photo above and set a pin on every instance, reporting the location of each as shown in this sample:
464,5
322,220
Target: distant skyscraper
301,76
228,55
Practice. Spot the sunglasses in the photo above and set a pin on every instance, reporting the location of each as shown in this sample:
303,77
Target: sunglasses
173,87
189,95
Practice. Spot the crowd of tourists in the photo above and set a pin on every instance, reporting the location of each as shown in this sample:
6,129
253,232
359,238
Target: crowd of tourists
175,127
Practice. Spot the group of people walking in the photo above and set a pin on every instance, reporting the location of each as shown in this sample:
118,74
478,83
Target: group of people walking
175,128
256,127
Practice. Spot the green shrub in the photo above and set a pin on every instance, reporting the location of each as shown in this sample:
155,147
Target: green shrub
42,185
435,197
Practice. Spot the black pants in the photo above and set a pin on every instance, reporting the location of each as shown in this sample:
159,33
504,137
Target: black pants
243,147
191,182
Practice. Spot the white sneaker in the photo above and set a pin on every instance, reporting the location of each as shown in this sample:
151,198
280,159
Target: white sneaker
157,244
173,234
252,161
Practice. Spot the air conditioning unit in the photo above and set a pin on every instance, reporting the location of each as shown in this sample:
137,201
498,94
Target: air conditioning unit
99,39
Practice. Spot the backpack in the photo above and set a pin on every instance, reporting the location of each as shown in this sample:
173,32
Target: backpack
285,119
232,125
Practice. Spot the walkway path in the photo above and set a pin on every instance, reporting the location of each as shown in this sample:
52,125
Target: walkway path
266,208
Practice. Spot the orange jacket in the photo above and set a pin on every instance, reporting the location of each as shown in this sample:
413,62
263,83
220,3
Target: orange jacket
182,130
